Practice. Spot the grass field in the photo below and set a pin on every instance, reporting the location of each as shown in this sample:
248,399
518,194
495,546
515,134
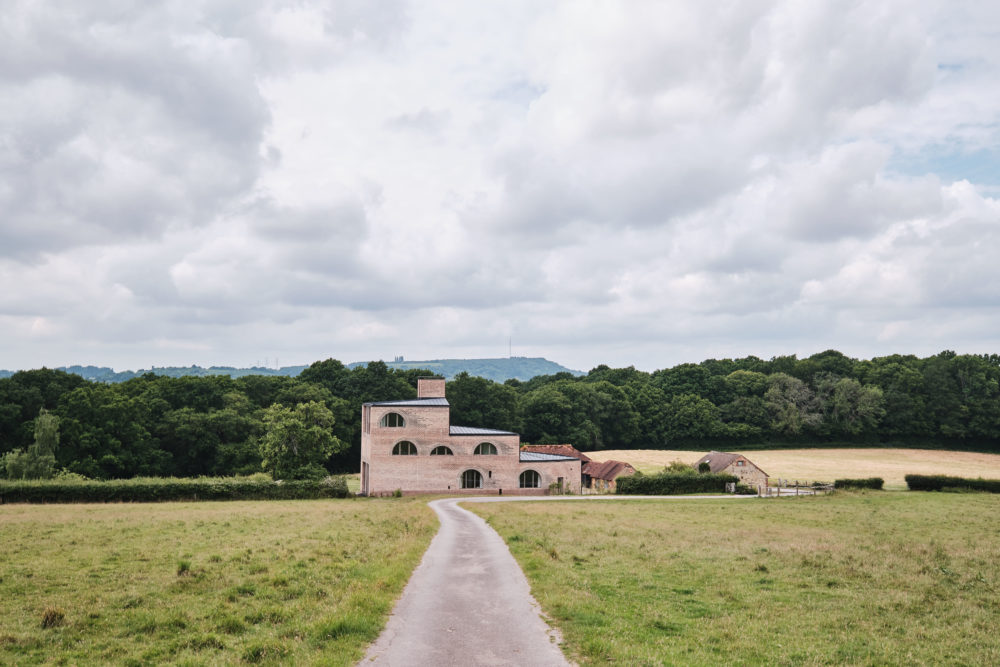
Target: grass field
303,582
825,465
869,578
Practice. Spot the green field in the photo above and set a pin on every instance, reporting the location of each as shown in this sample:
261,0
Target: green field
866,578
304,582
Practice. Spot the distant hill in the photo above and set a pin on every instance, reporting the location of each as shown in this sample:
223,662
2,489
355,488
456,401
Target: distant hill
521,368
498,370
105,374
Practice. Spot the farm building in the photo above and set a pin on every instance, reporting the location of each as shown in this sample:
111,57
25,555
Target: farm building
411,446
602,476
735,464
595,476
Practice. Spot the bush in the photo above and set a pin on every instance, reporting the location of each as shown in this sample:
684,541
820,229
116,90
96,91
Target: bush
156,489
941,482
863,483
665,484
53,617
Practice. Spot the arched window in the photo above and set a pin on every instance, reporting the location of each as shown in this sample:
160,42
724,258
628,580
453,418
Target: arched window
441,450
393,420
486,448
529,479
404,448
471,479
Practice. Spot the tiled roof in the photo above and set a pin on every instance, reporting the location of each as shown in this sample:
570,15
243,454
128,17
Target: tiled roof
563,450
537,457
471,430
608,470
415,403
719,461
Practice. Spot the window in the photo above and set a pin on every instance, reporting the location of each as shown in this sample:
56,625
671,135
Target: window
392,420
529,479
486,448
471,479
441,450
404,448
741,463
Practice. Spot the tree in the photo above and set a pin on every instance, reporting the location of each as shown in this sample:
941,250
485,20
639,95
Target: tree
39,461
298,441
791,404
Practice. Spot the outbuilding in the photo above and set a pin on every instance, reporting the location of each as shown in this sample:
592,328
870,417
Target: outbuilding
737,465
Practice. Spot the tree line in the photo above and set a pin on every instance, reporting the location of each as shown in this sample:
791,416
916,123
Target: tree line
218,425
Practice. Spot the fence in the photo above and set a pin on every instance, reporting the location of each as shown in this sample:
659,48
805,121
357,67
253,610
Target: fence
785,487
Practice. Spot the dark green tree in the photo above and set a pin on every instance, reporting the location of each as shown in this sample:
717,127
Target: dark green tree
298,441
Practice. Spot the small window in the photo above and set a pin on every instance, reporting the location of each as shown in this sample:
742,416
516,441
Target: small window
529,479
486,448
441,450
404,448
471,479
741,463
392,420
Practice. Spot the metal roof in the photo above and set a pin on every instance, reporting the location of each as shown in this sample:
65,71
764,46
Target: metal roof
537,456
415,403
470,430
562,450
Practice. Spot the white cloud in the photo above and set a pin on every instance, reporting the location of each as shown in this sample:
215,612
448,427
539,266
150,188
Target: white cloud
625,183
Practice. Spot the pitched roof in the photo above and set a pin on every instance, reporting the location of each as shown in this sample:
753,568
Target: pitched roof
471,430
562,450
415,403
608,470
537,457
719,461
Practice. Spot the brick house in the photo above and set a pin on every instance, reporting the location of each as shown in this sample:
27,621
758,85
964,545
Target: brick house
735,464
411,446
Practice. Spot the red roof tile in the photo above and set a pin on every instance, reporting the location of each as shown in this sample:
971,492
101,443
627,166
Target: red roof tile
608,470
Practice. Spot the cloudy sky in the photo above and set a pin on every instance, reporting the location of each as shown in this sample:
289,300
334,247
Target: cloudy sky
228,182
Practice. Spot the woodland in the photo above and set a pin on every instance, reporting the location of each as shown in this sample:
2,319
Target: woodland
217,425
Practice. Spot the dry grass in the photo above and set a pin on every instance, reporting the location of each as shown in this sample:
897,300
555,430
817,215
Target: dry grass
810,465
303,582
866,578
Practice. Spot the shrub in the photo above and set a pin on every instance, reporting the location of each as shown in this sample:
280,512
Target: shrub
152,489
679,467
941,482
53,617
664,484
862,483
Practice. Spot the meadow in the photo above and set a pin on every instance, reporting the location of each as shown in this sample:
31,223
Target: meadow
852,578
304,582
826,465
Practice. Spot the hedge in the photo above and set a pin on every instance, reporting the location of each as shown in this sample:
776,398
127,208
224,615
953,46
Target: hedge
939,482
151,489
666,484
861,483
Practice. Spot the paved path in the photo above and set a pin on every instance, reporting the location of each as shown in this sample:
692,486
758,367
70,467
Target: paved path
468,602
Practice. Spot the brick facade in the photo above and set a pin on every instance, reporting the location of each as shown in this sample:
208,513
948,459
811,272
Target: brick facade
425,422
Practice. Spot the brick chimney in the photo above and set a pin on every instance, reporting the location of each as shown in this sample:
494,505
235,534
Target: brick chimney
430,387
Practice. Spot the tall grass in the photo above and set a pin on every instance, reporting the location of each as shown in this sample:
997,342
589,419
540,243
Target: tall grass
854,578
305,582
